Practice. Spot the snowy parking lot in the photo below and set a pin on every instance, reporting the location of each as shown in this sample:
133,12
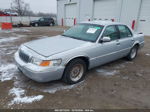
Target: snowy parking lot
120,84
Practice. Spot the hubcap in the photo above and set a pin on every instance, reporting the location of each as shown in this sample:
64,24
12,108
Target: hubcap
133,53
77,72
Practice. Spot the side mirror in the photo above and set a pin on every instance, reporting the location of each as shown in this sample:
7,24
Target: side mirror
106,39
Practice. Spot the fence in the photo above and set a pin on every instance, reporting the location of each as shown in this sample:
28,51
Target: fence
18,19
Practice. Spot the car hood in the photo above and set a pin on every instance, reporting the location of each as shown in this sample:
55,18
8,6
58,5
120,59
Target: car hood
54,45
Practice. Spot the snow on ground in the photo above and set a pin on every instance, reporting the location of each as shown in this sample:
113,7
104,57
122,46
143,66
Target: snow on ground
58,87
126,78
41,37
11,52
19,36
106,72
119,66
7,39
116,69
10,39
7,72
8,50
20,30
15,30
147,54
52,87
20,96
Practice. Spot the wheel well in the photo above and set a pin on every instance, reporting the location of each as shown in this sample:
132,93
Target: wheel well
137,44
85,59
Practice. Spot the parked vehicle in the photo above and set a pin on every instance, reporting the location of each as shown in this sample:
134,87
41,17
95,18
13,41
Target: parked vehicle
43,22
82,47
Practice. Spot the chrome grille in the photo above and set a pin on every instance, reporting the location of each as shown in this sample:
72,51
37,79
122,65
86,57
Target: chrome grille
24,57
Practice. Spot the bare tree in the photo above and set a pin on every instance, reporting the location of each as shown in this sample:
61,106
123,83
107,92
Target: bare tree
23,9
20,7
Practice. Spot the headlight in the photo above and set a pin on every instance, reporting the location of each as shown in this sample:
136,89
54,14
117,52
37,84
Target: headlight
46,63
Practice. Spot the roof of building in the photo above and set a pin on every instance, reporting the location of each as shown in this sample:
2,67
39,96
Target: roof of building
103,23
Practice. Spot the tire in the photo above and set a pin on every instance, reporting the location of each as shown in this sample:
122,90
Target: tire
74,72
133,53
51,24
36,25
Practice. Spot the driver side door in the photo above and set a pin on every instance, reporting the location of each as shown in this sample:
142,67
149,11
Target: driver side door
105,52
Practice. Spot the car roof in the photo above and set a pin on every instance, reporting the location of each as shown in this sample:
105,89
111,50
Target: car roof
103,23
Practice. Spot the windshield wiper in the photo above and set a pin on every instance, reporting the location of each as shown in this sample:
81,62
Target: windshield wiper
69,36
65,35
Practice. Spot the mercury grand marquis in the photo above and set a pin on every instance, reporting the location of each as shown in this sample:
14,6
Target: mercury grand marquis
82,47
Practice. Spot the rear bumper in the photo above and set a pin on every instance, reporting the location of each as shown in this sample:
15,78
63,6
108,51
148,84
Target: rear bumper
39,74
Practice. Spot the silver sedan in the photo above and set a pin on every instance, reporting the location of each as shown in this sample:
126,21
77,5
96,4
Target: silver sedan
82,47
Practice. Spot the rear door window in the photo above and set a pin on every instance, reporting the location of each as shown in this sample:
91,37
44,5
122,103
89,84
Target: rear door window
46,19
124,31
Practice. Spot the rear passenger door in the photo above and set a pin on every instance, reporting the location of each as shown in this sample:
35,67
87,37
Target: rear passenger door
47,21
126,40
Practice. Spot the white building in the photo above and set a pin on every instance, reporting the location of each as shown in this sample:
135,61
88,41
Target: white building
126,11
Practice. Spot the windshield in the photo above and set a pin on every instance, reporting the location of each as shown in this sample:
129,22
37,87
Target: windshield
86,32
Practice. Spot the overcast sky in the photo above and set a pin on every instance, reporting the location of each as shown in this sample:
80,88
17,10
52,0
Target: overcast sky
48,6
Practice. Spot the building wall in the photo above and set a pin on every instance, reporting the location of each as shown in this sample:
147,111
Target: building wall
87,11
61,10
127,11
130,12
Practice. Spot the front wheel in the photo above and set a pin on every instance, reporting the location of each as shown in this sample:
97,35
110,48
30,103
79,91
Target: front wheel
133,53
74,72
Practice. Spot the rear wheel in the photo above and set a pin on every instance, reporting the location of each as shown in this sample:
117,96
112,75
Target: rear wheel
74,72
51,24
133,53
36,25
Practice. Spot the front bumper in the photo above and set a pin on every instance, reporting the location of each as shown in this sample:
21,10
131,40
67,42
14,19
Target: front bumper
39,74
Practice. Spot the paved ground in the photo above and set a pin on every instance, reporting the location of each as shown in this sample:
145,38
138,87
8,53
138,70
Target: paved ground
120,84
